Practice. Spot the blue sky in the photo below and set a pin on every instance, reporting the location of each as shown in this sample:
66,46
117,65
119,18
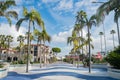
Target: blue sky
59,19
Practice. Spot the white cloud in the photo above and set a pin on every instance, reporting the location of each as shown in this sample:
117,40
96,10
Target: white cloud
87,6
48,1
65,5
61,37
65,50
5,29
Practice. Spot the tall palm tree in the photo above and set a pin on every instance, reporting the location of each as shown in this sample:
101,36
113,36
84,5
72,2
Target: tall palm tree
4,12
21,39
79,26
45,37
39,38
113,32
31,37
38,35
104,37
77,29
32,17
74,40
2,41
9,39
101,34
89,23
105,9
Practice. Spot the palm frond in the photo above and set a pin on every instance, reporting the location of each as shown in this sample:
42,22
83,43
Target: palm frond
25,12
69,40
19,23
7,4
117,15
92,46
37,18
105,9
12,14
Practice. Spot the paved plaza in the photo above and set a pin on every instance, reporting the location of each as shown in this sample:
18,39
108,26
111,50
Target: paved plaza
59,71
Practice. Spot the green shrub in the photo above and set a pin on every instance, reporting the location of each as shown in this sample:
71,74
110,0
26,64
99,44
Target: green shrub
15,62
21,62
69,60
1,66
114,58
94,60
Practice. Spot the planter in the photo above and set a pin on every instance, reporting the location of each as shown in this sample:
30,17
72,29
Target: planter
3,72
115,73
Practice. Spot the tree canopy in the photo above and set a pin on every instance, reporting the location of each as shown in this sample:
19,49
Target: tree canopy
56,50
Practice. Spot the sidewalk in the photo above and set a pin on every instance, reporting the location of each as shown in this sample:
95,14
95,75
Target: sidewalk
59,71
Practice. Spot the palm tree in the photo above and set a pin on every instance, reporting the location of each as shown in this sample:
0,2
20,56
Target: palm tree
9,39
89,22
4,12
104,37
31,37
79,26
74,40
101,33
38,36
32,16
113,32
21,39
45,37
105,9
2,41
77,31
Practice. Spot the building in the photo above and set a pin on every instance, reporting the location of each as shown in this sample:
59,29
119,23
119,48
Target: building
36,51
8,54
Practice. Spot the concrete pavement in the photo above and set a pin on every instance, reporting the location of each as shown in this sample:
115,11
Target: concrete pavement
59,71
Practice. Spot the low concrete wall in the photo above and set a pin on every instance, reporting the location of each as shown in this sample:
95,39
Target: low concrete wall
115,73
99,66
19,68
3,72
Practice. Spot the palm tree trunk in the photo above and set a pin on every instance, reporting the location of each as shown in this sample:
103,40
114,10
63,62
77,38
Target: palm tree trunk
78,54
40,55
37,40
82,41
28,53
89,50
113,41
20,51
101,42
118,33
82,48
104,38
8,48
